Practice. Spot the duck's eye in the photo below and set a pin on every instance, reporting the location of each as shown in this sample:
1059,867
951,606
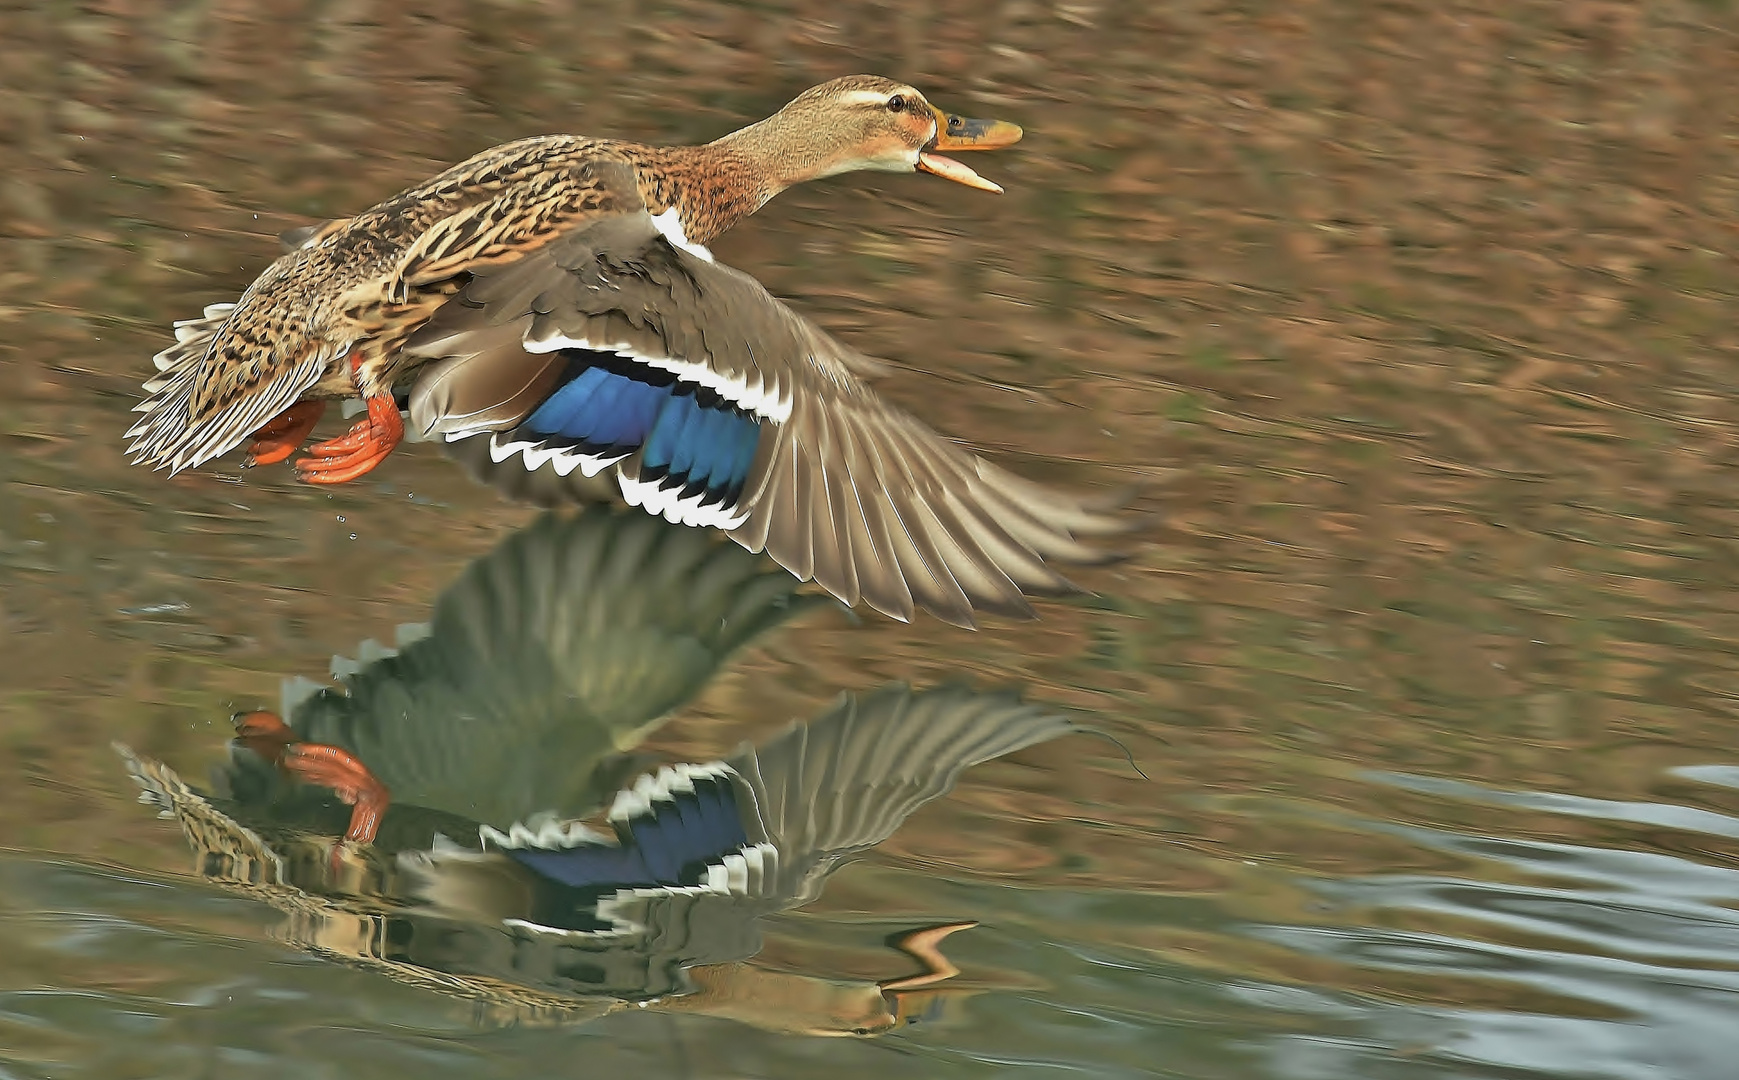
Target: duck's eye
897,103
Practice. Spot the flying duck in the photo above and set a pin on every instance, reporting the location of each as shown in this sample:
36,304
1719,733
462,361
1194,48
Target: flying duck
549,307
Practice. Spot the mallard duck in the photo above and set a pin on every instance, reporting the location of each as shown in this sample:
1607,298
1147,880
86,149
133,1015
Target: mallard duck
551,303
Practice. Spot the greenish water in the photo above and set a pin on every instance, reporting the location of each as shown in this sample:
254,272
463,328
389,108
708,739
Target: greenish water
1415,318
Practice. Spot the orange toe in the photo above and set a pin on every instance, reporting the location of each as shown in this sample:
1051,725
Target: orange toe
359,450
280,437
349,443
337,470
349,779
264,734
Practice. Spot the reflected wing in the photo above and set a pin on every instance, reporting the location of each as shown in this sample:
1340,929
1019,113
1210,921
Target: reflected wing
755,833
616,354
846,781
548,656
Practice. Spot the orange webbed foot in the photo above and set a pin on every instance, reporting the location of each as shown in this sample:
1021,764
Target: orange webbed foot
283,434
366,445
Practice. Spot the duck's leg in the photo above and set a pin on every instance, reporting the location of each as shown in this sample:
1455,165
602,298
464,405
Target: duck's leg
321,765
284,434
337,461
364,446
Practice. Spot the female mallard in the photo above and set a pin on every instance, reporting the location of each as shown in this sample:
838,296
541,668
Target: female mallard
550,301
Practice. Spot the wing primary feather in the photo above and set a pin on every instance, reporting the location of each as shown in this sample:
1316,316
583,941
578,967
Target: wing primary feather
993,588
830,535
931,540
879,579
918,568
957,477
789,491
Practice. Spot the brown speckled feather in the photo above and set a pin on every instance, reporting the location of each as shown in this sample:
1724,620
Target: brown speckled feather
845,489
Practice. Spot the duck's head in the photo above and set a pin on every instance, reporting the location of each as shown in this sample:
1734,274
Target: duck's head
868,122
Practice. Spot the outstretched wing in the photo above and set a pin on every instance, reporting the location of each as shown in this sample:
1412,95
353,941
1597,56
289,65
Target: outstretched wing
614,351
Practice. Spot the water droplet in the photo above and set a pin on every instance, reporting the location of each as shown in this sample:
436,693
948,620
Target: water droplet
353,536
340,517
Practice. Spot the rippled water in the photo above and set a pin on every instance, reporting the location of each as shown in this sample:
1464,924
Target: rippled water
1416,320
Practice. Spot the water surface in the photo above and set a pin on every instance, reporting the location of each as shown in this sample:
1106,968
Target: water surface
1416,318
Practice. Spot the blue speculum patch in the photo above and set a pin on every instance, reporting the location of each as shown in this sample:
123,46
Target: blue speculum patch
611,405
672,844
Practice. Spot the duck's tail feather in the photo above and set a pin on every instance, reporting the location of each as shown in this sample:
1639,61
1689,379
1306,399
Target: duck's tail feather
169,436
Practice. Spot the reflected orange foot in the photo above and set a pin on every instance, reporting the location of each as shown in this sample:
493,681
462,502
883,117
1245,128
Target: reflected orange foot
265,734
284,433
365,445
349,779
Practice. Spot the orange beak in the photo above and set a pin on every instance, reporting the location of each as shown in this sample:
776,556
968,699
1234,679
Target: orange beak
959,133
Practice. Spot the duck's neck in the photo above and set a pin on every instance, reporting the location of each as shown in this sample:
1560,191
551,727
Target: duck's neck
714,186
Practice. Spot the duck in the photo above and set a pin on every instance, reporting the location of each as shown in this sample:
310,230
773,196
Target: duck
671,895
551,304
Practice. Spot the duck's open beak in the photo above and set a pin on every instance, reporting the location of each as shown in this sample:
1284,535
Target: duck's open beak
959,133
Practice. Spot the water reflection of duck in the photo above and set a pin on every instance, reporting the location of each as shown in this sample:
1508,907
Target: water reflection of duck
550,921
504,724
548,304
